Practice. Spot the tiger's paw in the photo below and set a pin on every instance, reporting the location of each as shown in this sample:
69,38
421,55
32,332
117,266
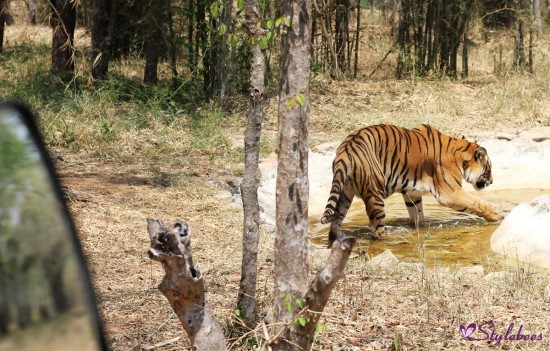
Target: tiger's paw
377,234
494,216
329,216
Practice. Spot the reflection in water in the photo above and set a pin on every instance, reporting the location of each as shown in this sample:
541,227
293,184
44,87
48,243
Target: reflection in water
42,296
448,237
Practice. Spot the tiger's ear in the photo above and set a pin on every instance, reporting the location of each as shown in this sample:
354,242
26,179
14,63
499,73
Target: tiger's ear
463,137
480,153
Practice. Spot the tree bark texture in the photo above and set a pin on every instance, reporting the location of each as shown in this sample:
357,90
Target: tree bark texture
292,193
32,8
246,301
328,38
430,34
3,11
519,52
220,52
357,30
183,284
537,15
102,26
156,16
63,21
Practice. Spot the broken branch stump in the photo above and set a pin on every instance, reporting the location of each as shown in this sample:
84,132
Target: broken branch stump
183,285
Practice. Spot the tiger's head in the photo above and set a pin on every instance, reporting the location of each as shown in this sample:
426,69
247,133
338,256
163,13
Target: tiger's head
477,170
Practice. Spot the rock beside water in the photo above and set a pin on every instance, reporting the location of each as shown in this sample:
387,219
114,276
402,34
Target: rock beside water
525,233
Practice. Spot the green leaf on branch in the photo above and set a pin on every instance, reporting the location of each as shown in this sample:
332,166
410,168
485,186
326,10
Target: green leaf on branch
262,43
287,21
301,100
269,24
320,328
278,22
214,9
222,29
240,5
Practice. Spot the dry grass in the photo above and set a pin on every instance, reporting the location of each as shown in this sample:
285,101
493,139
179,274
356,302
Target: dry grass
125,155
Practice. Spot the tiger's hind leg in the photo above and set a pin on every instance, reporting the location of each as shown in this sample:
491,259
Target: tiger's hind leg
342,207
374,204
414,207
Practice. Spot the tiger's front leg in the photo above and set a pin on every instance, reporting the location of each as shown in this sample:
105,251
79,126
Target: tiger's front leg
465,202
415,209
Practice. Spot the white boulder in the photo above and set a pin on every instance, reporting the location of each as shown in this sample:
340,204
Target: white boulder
525,233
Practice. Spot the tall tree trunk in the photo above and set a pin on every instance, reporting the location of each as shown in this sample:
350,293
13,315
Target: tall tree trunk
357,29
465,51
519,52
246,301
530,63
3,9
153,41
328,39
102,16
538,21
292,181
172,43
190,26
340,33
32,8
221,52
63,21
201,43
402,38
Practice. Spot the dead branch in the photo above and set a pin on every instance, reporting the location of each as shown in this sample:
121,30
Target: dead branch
316,298
183,285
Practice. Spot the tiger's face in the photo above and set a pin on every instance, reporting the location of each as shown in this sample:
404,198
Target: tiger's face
477,171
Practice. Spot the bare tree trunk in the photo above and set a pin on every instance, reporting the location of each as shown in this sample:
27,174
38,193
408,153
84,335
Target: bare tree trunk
292,182
519,54
357,28
246,301
152,43
530,50
63,21
9,20
3,11
538,21
222,52
172,43
32,8
328,39
183,284
102,16
190,26
465,52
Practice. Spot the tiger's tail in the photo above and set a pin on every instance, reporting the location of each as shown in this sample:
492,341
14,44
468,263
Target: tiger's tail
341,170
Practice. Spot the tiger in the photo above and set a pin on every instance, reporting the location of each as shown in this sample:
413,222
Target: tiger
377,161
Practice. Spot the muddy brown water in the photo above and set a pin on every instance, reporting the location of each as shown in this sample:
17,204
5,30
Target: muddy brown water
447,238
